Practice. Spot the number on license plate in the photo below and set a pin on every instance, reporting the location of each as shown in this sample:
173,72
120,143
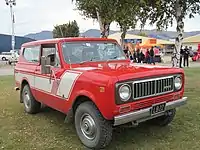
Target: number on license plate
158,108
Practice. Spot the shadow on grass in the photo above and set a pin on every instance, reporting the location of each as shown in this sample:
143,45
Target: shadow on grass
122,135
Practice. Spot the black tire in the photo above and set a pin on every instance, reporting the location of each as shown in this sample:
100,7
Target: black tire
87,114
31,106
166,119
3,58
9,62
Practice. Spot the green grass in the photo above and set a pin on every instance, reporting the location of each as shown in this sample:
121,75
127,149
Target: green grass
47,131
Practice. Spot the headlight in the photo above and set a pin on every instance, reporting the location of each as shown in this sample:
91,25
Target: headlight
178,83
125,92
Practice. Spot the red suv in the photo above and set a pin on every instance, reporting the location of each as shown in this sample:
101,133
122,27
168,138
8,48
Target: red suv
95,85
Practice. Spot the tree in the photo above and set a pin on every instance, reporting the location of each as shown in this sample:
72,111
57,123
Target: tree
100,10
142,34
165,12
125,12
70,29
126,16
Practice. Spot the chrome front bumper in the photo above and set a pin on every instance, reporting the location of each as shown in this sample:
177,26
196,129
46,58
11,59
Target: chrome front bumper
144,114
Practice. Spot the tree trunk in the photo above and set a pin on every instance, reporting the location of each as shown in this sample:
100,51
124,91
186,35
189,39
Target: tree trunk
179,39
104,26
123,35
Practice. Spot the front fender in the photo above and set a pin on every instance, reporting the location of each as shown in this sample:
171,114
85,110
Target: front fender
100,101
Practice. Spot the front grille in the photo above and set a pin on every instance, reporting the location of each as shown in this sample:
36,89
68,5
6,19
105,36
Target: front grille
152,87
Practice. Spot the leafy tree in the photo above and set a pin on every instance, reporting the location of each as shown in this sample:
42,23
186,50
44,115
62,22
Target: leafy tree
100,10
126,16
70,29
165,12
125,12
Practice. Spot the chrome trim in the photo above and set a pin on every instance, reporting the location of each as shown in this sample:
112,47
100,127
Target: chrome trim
145,114
155,80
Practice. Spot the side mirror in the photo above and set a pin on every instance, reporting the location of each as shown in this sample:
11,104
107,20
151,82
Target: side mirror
45,65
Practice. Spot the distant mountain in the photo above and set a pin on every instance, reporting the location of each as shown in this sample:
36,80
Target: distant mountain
96,33
41,35
5,42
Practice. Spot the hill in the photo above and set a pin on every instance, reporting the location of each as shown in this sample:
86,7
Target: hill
40,35
5,42
96,33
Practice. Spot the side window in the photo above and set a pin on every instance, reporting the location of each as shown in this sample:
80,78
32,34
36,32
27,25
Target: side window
31,54
51,49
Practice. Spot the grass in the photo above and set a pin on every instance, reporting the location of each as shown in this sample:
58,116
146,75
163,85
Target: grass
47,131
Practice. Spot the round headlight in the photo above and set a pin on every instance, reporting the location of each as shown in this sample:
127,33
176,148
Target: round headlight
178,83
125,92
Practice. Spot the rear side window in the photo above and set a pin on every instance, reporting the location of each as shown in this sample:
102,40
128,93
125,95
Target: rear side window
32,54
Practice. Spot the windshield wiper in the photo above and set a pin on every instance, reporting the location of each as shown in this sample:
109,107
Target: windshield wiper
112,58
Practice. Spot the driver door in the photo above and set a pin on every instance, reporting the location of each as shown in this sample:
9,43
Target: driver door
47,84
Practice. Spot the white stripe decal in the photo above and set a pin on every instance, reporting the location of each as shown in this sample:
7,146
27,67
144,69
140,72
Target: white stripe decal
42,84
66,84
20,76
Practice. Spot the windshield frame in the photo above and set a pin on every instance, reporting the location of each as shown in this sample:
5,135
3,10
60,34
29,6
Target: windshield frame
93,41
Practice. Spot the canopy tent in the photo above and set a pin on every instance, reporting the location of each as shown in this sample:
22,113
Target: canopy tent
155,42
145,40
117,36
192,39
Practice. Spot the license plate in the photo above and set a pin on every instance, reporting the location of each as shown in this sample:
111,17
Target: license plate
159,108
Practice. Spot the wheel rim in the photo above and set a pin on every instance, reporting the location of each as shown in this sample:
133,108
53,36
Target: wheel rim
88,127
26,100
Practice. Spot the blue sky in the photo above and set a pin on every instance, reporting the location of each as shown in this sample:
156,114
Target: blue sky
37,15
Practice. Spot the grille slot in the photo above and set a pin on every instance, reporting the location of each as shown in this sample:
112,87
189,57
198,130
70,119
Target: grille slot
152,87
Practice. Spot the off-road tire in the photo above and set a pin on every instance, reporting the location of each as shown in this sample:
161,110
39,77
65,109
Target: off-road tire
33,106
103,127
166,119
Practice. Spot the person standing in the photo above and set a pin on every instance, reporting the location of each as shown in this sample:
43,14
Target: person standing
142,57
152,56
138,60
147,56
186,56
181,57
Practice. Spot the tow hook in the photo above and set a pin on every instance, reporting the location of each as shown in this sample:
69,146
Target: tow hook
16,89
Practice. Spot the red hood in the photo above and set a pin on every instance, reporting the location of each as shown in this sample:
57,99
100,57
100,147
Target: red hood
127,70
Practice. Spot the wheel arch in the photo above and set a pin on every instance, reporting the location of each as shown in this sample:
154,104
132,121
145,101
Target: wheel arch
81,99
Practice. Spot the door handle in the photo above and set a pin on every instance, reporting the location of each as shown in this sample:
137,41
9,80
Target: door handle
37,69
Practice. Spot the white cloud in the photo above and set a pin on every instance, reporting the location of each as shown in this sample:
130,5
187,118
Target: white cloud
37,15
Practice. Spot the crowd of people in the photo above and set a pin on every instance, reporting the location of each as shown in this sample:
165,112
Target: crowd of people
140,56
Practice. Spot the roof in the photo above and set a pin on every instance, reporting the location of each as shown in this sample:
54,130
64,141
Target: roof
164,42
192,39
117,36
71,39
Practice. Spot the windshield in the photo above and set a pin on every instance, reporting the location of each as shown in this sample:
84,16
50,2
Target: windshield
80,52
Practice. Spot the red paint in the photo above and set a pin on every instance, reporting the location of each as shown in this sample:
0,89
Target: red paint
89,83
196,56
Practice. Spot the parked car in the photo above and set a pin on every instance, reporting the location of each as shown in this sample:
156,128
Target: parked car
96,87
14,58
4,56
